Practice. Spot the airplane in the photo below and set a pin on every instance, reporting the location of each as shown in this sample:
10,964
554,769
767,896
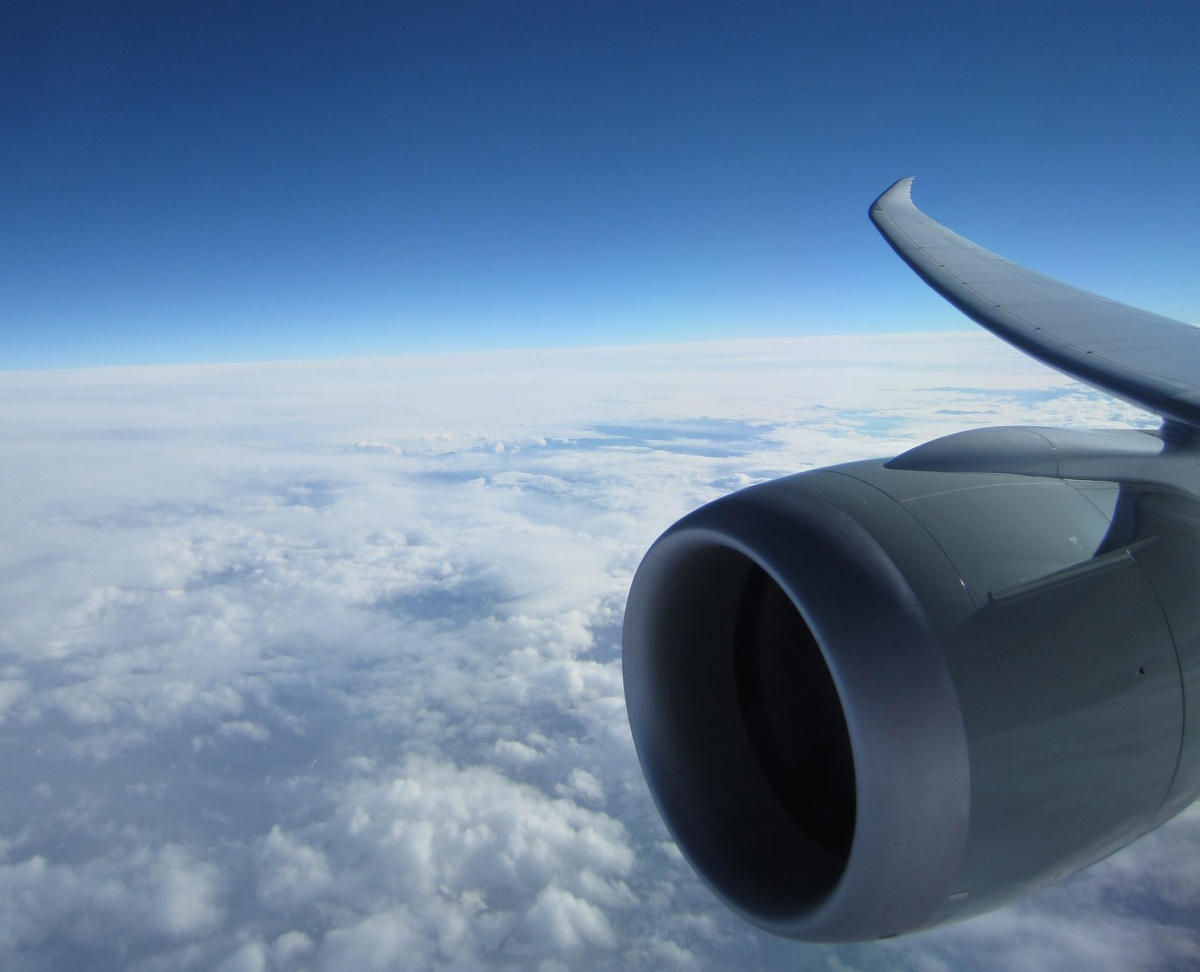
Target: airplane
880,696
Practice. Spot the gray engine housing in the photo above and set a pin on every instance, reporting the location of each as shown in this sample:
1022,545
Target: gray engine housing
873,698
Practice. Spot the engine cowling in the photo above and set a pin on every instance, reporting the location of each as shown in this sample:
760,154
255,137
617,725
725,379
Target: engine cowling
874,698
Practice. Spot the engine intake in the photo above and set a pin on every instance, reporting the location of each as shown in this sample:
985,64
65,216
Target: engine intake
869,700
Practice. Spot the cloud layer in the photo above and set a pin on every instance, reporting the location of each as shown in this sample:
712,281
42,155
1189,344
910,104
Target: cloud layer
317,666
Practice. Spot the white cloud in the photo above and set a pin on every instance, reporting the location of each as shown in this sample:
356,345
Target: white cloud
317,666
157,894
582,784
290,872
378,943
566,922
251,957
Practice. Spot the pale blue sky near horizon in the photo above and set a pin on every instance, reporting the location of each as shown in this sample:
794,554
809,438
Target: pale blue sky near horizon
232,182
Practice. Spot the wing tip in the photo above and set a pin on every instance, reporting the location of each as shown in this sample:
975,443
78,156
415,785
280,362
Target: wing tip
898,194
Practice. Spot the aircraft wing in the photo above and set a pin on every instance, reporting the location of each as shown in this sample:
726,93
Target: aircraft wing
1151,361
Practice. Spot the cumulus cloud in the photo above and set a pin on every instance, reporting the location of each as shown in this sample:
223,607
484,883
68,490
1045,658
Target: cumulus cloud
160,893
317,666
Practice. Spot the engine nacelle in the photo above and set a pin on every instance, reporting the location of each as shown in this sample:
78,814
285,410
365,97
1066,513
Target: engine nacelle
873,698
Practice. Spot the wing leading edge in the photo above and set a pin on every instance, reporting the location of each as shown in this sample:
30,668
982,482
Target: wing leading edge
1151,361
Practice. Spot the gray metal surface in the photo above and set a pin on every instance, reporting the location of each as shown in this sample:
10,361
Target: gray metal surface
1143,358
910,759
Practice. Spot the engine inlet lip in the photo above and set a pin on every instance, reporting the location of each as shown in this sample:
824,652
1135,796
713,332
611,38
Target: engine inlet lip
911,772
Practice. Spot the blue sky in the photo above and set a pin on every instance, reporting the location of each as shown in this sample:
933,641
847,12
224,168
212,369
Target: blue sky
229,181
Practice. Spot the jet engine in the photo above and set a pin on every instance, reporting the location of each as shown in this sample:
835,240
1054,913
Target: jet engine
876,697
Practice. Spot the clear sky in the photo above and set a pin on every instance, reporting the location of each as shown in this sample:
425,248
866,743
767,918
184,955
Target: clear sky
228,181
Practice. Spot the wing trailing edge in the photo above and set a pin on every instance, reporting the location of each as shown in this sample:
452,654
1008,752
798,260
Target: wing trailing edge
1151,361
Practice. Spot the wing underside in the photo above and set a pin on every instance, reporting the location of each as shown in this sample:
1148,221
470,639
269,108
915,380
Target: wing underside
1151,361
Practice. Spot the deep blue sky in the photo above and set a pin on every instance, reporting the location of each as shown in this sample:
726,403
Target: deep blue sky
234,181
